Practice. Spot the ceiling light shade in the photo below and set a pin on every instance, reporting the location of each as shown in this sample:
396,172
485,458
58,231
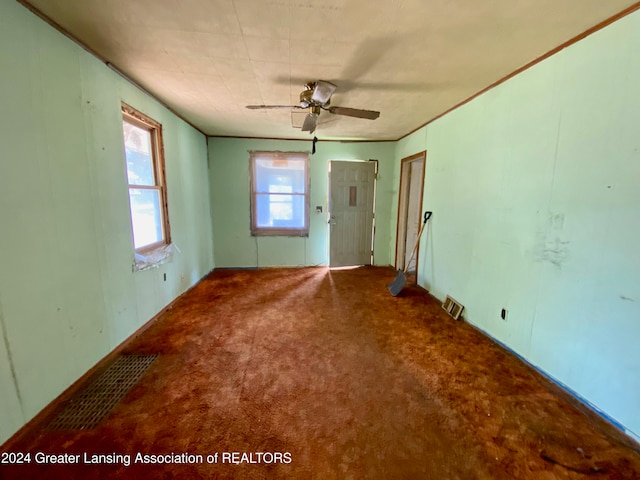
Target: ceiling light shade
323,91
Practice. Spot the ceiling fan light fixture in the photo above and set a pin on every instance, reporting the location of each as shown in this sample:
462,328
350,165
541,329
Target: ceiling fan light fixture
322,92
305,98
316,97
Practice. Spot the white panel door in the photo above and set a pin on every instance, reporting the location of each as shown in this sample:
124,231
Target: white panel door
351,200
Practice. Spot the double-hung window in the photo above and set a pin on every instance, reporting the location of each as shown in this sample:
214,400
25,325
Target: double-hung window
145,177
279,193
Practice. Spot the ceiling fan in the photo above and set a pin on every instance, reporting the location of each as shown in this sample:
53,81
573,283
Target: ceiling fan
316,96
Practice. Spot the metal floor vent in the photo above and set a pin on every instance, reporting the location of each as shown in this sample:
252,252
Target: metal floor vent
453,307
88,407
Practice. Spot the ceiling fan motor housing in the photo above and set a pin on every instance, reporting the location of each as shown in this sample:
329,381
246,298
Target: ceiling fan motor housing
305,98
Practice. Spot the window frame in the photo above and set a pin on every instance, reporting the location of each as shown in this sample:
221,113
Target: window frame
138,119
278,231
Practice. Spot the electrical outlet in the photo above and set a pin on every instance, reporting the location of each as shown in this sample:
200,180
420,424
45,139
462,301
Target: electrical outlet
503,314
182,277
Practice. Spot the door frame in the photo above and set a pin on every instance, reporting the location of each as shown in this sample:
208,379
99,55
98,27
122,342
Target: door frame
403,204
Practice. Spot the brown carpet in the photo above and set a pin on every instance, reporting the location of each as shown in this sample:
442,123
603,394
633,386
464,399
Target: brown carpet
319,374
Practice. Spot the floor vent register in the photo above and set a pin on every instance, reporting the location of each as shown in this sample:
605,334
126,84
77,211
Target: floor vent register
90,405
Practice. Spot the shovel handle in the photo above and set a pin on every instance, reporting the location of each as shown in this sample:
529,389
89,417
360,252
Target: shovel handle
427,216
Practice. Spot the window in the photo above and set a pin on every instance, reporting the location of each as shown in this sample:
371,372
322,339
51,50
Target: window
279,193
145,176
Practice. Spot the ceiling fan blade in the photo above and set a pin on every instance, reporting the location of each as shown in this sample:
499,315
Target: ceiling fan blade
323,91
355,112
256,107
310,123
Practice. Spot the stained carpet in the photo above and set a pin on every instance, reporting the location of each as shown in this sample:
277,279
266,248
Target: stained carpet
318,374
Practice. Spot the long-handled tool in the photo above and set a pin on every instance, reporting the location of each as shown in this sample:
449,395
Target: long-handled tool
399,282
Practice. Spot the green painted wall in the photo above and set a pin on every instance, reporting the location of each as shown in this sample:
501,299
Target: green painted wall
68,295
534,188
535,191
229,180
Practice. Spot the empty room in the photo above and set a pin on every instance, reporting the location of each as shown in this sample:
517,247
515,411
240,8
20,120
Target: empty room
319,239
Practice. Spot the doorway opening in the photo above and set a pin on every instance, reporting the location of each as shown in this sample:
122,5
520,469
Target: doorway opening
410,195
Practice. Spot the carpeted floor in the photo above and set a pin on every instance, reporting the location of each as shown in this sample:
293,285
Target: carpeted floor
319,374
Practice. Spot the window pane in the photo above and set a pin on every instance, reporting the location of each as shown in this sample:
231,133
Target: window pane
279,193
272,173
280,211
145,216
280,189
139,155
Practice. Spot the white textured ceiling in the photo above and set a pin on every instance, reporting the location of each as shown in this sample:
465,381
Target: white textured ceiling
409,59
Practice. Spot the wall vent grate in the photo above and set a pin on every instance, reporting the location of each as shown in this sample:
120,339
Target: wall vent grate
88,407
452,307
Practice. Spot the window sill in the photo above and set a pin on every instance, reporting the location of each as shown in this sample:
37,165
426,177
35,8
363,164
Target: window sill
279,233
153,257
